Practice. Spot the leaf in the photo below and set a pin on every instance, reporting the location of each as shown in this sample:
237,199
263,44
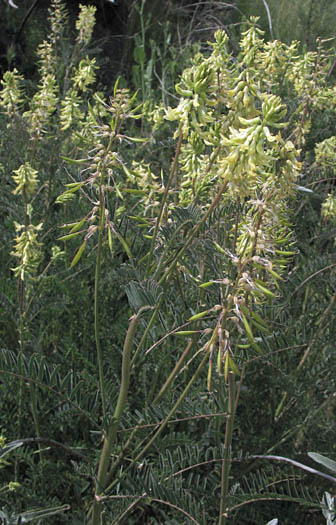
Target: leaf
248,330
198,316
109,238
74,161
115,89
285,253
220,249
128,172
78,255
143,293
135,139
260,286
8,448
124,245
78,225
330,464
73,186
260,327
69,236
205,285
186,332
233,366
31,515
134,191
302,188
64,198
139,219
69,225
226,367
250,335
139,55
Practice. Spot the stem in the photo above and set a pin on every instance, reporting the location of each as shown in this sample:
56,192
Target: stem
102,477
21,289
96,302
226,462
165,421
193,232
323,316
34,409
149,326
164,199
173,373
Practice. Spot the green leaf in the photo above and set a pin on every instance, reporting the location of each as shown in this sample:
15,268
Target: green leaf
78,225
64,198
258,318
115,89
69,236
134,191
124,245
186,332
285,253
219,248
205,285
69,225
233,366
250,335
73,186
302,188
330,464
74,161
139,55
140,219
260,327
128,172
198,316
11,446
255,319
135,139
31,515
109,237
78,254
248,330
260,285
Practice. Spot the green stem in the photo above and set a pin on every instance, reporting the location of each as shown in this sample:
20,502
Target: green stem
34,409
226,462
148,327
112,431
173,373
193,233
96,304
165,421
164,199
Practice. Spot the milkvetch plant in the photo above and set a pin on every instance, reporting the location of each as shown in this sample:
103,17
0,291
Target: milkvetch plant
229,150
187,209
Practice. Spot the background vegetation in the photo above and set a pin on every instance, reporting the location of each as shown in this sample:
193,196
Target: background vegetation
170,201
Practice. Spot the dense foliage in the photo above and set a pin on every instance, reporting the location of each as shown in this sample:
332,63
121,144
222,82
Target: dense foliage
168,287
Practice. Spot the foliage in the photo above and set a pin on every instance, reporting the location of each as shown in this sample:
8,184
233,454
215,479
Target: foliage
168,285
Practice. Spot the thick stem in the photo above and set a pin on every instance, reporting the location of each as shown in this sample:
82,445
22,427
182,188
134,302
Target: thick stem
173,373
163,202
96,305
226,463
166,420
112,431
193,233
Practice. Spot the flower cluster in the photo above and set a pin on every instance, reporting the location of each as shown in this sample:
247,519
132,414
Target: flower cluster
85,23
11,94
